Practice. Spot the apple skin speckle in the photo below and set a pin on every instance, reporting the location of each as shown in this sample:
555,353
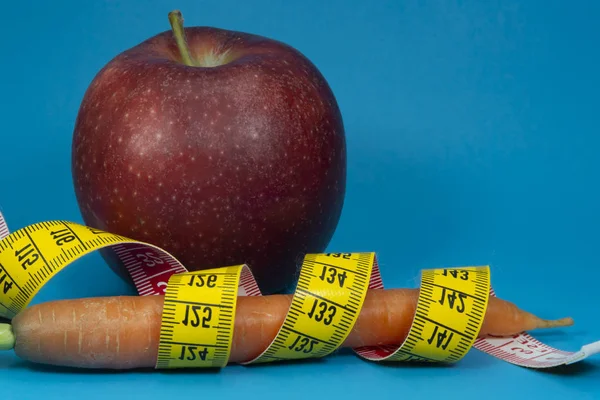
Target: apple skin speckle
243,162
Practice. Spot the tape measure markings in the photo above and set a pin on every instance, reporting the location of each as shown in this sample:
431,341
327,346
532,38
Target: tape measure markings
143,262
174,302
322,311
200,342
31,256
428,339
375,281
530,352
4,231
40,250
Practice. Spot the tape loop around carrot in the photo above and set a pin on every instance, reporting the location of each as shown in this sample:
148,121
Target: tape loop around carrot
199,307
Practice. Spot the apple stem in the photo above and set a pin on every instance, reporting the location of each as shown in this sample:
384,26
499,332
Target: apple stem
176,20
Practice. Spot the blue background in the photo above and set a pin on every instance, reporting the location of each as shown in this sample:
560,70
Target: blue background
473,132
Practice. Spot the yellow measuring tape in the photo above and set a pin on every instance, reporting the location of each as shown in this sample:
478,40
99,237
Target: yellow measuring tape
198,318
200,307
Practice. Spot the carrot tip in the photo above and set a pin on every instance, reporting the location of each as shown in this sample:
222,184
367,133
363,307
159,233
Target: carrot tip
555,323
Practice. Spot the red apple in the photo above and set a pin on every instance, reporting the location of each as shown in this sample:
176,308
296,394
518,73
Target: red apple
225,148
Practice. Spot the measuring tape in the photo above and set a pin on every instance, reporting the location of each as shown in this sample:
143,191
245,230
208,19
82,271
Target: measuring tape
199,307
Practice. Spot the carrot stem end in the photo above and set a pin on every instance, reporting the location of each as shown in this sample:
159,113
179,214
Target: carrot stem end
7,337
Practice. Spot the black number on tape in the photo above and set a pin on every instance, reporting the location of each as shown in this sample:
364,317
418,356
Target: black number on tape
27,256
62,236
329,274
464,275
443,338
4,278
192,315
191,353
451,296
200,281
301,343
319,315
339,255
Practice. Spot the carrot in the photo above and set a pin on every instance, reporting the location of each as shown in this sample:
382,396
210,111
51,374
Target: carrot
122,332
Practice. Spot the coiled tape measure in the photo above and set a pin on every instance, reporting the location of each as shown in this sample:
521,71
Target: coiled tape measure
199,307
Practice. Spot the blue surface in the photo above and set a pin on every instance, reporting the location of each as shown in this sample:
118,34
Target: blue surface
473,133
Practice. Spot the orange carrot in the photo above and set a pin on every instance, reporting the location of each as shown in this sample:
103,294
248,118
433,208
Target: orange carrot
122,332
